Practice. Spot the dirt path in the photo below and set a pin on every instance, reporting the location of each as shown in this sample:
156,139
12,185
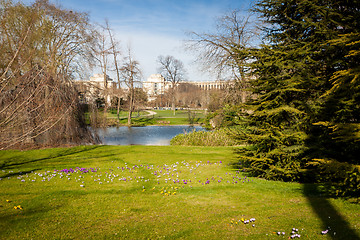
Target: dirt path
151,113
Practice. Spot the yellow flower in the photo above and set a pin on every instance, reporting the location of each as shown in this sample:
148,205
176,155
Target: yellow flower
8,201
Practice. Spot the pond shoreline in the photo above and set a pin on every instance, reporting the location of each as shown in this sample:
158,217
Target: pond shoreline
143,135
159,123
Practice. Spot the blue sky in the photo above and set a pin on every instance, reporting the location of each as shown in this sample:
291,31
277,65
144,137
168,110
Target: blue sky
158,27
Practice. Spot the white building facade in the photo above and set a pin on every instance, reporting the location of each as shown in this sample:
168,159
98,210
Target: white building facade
154,86
97,87
211,85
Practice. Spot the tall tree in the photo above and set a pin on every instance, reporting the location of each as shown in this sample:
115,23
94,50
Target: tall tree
131,74
173,71
294,72
101,52
115,52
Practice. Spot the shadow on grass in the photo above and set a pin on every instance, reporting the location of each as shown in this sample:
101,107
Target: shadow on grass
143,121
8,220
138,121
19,173
21,159
332,220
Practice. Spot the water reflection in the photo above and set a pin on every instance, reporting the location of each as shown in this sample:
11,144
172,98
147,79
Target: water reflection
149,135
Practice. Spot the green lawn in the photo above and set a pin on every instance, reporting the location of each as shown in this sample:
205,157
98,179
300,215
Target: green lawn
162,117
179,113
150,192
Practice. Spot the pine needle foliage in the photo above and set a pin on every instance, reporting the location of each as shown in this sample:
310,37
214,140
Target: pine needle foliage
306,72
335,131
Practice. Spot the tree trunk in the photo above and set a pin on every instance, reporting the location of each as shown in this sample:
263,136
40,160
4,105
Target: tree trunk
173,101
129,117
131,106
118,109
173,107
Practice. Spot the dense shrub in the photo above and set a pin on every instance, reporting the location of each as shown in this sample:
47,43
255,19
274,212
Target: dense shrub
344,178
219,137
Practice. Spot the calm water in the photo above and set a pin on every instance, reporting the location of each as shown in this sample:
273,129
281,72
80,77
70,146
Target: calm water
149,135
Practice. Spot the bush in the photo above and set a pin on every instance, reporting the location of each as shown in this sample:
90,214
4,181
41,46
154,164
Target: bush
344,178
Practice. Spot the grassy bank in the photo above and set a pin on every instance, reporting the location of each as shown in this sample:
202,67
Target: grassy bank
200,138
146,192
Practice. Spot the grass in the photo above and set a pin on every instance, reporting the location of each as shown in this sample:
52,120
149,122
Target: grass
179,113
126,199
124,114
162,117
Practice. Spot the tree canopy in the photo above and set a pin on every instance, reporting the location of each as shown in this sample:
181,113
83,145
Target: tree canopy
301,121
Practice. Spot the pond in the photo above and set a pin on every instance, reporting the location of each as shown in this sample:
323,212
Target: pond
149,135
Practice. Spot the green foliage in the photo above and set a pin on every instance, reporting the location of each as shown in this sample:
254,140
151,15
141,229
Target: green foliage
335,133
274,155
334,141
305,90
343,178
228,116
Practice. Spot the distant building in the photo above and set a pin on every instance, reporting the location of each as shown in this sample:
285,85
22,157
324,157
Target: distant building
155,85
211,85
96,88
98,81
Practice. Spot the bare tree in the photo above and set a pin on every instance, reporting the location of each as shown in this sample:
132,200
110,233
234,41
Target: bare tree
131,74
40,44
225,51
116,53
140,99
190,95
173,71
101,51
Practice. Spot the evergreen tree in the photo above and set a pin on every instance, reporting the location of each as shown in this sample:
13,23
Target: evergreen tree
336,134
299,74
